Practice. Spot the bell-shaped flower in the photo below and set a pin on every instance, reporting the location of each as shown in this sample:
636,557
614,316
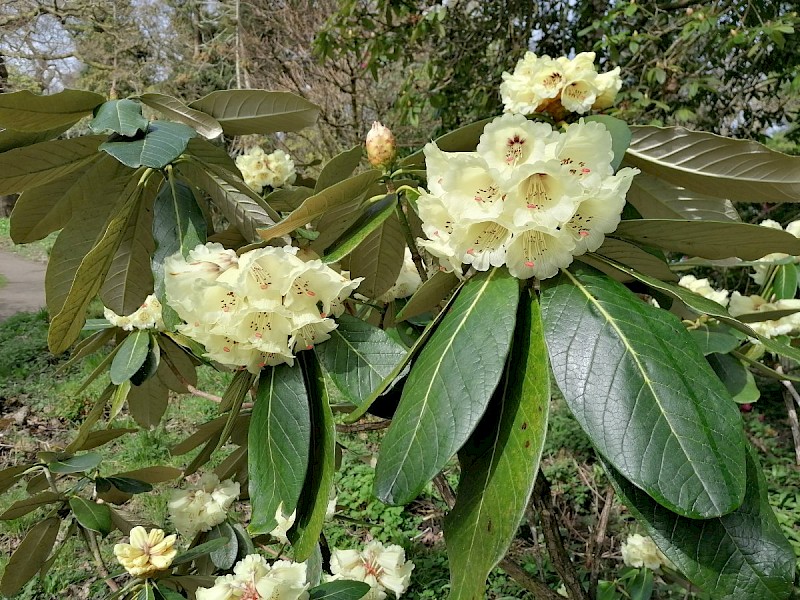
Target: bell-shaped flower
539,253
586,150
702,287
540,195
512,140
147,316
608,85
260,169
309,329
254,579
472,192
533,84
383,568
147,552
202,505
407,282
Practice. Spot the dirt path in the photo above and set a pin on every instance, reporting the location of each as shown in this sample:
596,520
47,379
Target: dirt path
24,288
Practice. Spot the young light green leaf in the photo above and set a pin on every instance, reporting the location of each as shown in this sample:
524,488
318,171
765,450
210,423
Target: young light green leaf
358,357
30,555
675,432
740,556
500,461
339,168
740,170
90,514
317,487
29,112
244,112
736,376
379,258
449,386
38,164
119,116
709,239
163,142
339,590
318,204
279,444
176,110
130,357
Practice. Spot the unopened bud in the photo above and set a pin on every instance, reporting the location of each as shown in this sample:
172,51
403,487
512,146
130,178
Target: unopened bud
381,146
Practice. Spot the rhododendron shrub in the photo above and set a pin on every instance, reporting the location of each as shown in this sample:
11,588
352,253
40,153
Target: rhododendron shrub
440,291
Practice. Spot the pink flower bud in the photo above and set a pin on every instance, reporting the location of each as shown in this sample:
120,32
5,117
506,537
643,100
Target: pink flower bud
381,146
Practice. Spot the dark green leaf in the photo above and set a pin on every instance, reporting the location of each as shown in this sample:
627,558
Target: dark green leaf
148,402
163,142
715,337
372,218
26,111
622,367
736,376
178,226
225,556
150,365
23,507
119,116
30,555
10,138
316,490
76,464
38,164
166,593
130,357
146,592
91,515
339,168
200,550
709,239
449,386
429,295
653,264
150,474
243,112
379,258
339,590
620,136
129,485
322,202
655,198
278,445
176,110
785,283
10,475
740,556
500,461
358,357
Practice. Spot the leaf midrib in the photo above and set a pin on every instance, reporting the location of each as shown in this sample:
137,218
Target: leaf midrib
630,350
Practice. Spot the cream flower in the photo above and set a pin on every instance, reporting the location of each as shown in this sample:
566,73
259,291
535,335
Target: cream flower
260,170
382,568
740,305
254,579
257,309
761,271
542,84
407,282
530,198
147,316
147,552
202,505
702,287
284,524
640,551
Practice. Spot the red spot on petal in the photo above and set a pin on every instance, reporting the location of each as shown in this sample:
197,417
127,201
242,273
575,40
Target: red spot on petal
310,293
471,251
226,309
259,336
583,233
309,347
323,315
585,170
264,286
226,349
533,206
478,199
436,233
262,365
528,263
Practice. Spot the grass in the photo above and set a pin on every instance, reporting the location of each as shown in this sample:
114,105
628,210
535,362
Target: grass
56,407
38,250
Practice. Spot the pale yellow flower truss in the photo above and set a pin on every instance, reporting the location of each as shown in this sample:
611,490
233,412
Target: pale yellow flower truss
147,552
541,83
383,568
257,309
255,579
702,287
260,170
788,325
530,197
202,505
640,551
147,316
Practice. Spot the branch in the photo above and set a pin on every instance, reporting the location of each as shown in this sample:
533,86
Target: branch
790,396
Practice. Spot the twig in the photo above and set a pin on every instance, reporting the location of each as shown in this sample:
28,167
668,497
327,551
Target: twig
595,550
543,502
195,392
410,242
539,590
358,427
91,543
445,490
790,396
